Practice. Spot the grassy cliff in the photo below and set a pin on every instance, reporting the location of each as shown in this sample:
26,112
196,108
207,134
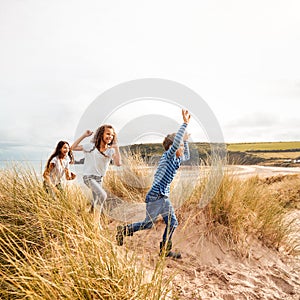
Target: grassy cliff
264,153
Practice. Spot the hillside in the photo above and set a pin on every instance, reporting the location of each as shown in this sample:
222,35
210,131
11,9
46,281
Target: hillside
284,154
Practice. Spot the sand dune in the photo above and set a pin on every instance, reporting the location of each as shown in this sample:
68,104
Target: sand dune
210,269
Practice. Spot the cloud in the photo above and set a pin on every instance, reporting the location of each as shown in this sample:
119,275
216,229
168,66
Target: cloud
254,120
53,68
262,127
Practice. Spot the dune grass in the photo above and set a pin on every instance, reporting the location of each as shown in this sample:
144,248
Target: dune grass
133,180
243,209
51,248
240,210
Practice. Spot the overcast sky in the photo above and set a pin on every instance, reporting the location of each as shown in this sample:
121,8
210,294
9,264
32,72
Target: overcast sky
58,56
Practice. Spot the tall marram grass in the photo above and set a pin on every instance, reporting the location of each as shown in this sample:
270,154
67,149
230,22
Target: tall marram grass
133,180
51,248
247,209
241,210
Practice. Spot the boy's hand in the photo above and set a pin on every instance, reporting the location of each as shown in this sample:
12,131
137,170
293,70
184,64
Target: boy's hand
186,116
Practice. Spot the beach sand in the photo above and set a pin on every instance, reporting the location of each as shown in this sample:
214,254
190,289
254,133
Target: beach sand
210,269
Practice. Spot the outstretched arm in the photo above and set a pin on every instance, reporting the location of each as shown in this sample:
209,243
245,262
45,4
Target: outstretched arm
76,145
186,153
186,119
179,135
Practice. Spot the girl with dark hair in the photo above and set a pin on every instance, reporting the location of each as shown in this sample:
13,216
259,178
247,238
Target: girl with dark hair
97,155
57,166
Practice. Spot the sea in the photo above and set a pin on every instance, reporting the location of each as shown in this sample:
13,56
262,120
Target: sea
37,166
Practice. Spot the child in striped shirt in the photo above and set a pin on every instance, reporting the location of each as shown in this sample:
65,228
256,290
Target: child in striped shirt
157,198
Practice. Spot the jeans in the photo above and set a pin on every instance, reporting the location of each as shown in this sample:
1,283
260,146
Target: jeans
157,205
95,184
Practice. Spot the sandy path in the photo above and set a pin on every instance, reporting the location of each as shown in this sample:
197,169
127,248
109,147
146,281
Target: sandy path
247,171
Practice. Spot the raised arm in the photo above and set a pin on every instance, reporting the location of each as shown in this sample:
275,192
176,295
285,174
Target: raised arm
76,145
186,153
179,135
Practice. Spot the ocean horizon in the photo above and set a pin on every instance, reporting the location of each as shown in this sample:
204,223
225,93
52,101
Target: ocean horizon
37,166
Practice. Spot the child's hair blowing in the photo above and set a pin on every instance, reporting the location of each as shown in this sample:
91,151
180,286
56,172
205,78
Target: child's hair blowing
57,151
98,136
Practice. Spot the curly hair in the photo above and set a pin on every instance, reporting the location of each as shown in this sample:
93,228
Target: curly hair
98,136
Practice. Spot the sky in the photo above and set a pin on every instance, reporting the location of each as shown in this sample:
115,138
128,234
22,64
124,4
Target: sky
56,58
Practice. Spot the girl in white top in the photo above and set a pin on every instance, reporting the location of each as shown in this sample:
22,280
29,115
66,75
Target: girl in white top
97,155
58,166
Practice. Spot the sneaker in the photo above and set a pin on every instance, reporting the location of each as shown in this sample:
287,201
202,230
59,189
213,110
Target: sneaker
176,255
165,250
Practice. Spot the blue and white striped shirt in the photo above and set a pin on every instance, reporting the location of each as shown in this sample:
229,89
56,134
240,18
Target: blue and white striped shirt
169,164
